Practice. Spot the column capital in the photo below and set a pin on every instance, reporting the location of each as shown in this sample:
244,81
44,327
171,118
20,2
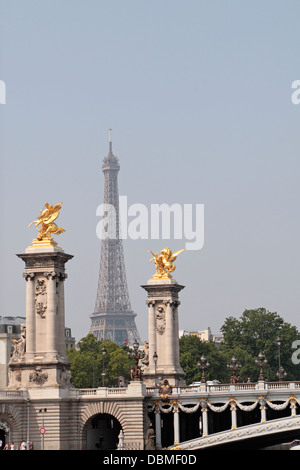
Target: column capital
203,404
157,407
29,276
171,303
51,275
175,406
150,303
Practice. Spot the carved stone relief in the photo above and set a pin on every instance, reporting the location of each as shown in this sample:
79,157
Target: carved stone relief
38,376
41,297
160,320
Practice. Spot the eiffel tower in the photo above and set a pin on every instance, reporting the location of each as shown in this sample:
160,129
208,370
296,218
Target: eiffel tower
113,317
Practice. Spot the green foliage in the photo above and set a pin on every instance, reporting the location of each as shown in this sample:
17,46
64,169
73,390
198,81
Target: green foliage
255,331
191,350
87,363
244,337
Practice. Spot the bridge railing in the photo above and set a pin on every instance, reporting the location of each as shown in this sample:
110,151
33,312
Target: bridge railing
13,393
229,387
101,392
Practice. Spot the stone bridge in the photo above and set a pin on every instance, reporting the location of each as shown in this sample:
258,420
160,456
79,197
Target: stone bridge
215,415
191,417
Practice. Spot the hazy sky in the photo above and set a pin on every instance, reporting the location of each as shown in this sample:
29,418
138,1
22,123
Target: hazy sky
198,96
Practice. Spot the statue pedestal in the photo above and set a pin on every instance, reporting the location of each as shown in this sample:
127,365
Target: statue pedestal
41,358
163,331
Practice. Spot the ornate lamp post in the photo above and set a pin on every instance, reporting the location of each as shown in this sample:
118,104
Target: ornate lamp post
281,372
203,364
278,341
234,367
155,358
103,350
261,361
135,373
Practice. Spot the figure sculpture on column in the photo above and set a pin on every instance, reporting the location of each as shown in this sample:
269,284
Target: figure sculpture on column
46,222
164,263
19,345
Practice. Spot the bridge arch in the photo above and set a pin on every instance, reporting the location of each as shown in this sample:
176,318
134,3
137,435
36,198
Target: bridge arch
4,433
10,424
101,431
102,418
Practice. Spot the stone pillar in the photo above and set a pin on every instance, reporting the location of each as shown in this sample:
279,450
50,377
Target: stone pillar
52,314
233,415
44,361
263,411
176,424
152,335
163,332
293,406
157,427
61,308
204,419
176,334
169,335
30,315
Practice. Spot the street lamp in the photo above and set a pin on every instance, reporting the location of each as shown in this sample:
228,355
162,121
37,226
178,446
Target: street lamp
203,364
155,358
234,367
261,361
135,372
281,373
103,350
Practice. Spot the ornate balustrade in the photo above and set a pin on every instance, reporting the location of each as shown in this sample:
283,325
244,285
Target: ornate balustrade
240,387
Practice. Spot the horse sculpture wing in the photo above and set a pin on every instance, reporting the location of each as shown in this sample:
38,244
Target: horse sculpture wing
174,255
53,213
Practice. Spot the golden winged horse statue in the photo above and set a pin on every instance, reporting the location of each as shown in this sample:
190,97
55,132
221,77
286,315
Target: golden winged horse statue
46,222
164,263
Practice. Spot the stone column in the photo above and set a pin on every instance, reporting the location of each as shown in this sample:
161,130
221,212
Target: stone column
152,335
176,424
169,339
176,334
204,419
263,413
233,415
293,407
52,327
163,332
45,362
30,315
157,427
61,308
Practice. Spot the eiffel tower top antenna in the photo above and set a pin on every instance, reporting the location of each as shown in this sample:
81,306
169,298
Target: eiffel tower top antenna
109,140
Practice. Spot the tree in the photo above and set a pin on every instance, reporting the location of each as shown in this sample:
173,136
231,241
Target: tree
191,350
87,363
244,338
256,331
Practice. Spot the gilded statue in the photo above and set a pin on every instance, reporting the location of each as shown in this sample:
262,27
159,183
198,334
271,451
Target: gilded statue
164,263
46,222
